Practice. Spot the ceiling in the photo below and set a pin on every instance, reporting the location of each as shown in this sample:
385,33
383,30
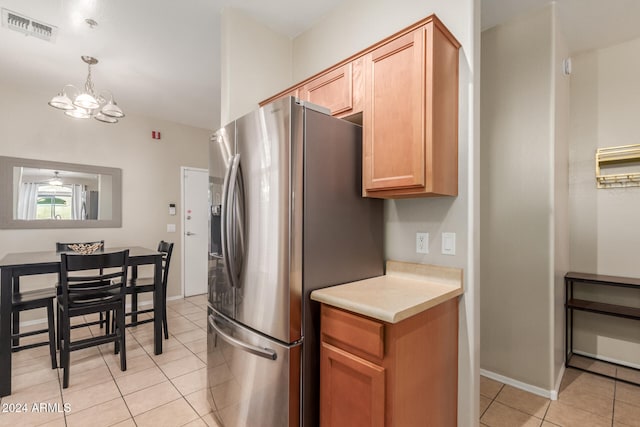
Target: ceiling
161,58
586,24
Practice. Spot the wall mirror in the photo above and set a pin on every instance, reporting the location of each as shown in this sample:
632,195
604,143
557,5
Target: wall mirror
44,194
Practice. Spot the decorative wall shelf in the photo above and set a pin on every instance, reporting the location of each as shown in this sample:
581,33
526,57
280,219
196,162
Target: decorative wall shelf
624,161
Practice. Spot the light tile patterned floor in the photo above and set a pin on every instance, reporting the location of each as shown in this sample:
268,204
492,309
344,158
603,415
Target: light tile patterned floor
584,400
164,390
169,389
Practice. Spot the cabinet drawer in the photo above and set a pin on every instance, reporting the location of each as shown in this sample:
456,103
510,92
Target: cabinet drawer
351,331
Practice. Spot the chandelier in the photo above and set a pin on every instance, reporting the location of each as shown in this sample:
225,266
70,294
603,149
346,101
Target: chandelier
87,104
56,180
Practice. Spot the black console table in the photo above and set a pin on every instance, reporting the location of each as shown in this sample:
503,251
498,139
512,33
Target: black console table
571,304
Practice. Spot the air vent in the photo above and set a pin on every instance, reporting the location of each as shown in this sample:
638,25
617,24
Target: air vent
28,26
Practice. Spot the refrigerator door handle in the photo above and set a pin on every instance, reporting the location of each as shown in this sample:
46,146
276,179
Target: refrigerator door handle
267,353
239,223
230,221
224,220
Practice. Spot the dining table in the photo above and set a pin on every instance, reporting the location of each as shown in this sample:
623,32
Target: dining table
15,265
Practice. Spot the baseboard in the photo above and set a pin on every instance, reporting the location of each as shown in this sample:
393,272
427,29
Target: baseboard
549,394
556,391
607,359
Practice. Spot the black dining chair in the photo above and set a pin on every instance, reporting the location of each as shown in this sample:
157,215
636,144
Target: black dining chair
31,300
68,247
139,285
40,298
92,284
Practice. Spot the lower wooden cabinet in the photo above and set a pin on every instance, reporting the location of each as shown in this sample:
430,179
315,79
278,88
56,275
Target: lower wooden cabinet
352,389
374,373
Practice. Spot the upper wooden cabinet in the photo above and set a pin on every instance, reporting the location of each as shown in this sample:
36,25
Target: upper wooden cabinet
334,90
410,118
341,89
406,88
393,120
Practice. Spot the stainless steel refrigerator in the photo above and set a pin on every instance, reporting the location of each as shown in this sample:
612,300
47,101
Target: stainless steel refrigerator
90,205
287,217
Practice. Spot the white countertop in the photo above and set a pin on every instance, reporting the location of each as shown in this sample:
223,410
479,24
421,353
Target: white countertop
406,290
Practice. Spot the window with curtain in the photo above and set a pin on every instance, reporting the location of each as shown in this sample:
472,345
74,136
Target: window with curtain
78,210
27,200
45,201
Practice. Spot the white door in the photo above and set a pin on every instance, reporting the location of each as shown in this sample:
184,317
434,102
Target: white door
195,228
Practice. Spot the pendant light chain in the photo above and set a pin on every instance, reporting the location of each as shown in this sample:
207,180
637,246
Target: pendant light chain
88,86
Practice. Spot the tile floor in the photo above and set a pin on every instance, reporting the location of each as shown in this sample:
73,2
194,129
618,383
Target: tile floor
584,400
164,390
169,389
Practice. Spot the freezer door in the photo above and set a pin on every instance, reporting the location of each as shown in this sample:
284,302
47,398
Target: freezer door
251,380
265,188
221,156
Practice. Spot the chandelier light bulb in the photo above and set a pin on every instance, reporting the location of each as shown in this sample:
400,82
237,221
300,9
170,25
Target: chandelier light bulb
62,102
112,110
79,113
85,100
105,119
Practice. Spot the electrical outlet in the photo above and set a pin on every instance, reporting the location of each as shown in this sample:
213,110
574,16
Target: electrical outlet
422,243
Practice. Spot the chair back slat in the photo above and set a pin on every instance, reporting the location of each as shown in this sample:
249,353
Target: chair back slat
77,262
82,286
93,293
87,278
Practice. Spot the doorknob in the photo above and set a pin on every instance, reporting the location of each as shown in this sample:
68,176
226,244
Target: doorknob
190,233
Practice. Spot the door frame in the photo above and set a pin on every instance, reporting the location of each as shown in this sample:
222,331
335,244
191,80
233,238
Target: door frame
183,170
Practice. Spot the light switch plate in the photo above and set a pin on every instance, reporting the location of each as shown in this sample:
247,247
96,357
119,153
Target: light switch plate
422,243
448,243
171,228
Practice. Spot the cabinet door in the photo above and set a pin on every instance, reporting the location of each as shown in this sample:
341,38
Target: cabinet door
394,114
351,390
333,90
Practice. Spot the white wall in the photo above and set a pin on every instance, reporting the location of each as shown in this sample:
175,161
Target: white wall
357,24
523,196
605,108
150,170
560,126
256,63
